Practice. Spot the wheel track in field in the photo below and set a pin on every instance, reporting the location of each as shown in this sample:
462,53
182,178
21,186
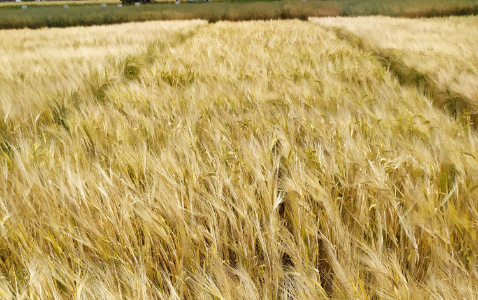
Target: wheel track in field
453,102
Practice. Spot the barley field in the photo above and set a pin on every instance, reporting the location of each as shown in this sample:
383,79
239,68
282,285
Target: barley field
247,160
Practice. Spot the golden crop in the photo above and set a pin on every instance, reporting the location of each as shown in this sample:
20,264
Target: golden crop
250,160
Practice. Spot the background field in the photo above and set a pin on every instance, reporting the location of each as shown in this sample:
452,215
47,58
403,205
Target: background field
58,3
86,13
255,160
37,16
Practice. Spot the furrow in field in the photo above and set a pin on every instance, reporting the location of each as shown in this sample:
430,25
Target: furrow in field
43,64
437,56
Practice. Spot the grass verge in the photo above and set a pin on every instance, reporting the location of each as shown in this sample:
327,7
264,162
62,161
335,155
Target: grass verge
409,8
88,13
51,16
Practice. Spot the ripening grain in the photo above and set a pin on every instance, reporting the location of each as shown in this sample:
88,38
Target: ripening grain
256,160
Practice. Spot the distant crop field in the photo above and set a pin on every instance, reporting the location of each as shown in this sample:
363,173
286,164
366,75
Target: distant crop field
57,3
88,13
38,16
409,8
236,160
